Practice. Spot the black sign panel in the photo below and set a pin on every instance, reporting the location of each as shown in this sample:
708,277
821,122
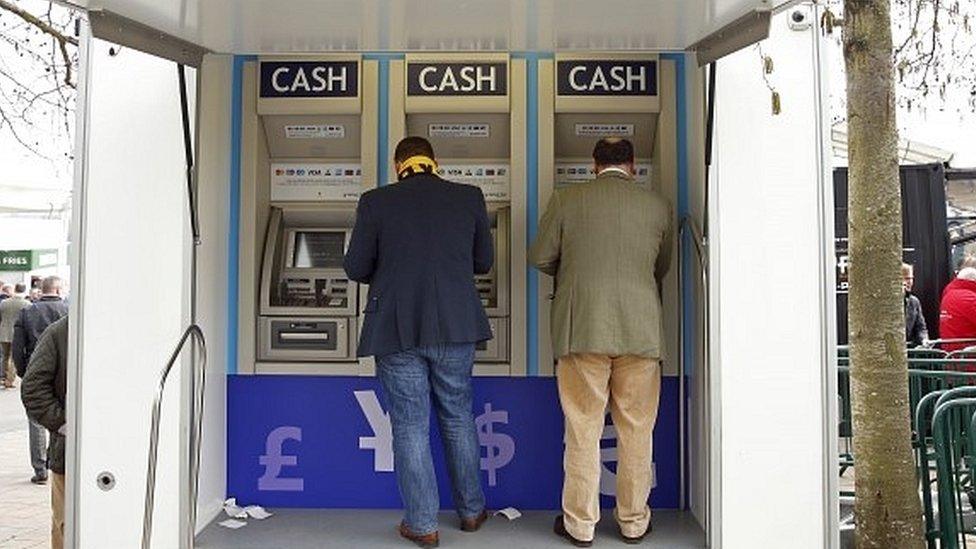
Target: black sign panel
309,78
603,78
457,79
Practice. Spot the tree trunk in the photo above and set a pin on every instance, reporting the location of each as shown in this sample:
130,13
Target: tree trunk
887,501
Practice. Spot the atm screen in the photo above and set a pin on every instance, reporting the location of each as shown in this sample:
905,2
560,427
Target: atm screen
318,249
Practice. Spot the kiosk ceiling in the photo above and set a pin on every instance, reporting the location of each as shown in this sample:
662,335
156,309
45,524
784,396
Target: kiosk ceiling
266,26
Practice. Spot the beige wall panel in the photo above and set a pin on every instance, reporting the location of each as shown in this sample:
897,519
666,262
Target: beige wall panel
398,118
369,122
547,176
667,184
519,329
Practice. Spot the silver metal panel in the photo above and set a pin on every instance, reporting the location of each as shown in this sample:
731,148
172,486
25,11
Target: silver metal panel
494,350
748,29
503,259
270,26
278,249
338,340
132,34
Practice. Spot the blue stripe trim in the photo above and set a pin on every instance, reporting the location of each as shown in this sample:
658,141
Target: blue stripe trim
532,55
531,210
383,129
384,55
686,251
234,207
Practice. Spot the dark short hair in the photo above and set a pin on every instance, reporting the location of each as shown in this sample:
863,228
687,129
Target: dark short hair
20,288
611,151
413,146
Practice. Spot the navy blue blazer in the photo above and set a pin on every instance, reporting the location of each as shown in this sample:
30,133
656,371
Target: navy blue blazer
418,244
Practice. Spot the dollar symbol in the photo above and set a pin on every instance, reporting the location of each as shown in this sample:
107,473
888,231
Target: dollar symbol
499,447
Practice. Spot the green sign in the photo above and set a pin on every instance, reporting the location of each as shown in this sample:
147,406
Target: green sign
27,260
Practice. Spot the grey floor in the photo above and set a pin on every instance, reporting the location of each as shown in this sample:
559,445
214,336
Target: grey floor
318,528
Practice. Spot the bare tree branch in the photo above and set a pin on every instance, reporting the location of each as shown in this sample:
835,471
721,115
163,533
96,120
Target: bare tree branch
37,22
37,71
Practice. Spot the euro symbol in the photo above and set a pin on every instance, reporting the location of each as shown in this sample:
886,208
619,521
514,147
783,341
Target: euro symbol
499,447
273,461
608,477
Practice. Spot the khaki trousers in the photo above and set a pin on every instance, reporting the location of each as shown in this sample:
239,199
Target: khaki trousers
631,386
57,511
8,372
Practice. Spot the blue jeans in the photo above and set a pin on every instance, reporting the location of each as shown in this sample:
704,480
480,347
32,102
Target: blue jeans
410,378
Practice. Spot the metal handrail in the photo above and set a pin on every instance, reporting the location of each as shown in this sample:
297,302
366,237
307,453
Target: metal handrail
700,245
200,370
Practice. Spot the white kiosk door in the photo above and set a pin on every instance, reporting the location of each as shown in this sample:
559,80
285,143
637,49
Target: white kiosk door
131,243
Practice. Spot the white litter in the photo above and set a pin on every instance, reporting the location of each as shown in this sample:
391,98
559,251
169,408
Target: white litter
257,512
233,524
233,510
510,513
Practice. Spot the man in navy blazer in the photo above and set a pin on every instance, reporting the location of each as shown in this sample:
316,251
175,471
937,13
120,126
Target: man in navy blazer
418,244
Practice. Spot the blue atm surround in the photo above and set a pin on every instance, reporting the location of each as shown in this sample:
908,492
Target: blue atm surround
305,441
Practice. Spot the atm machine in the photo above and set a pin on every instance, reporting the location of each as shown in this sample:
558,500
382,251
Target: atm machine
463,104
587,96
319,155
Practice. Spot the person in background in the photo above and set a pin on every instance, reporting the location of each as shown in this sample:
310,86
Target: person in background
957,311
35,295
43,394
916,332
9,312
967,261
418,244
6,290
30,324
608,245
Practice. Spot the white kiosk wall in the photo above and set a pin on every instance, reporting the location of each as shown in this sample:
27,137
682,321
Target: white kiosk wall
213,292
128,304
772,322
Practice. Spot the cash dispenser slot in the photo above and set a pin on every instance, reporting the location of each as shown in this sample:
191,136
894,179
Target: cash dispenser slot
305,339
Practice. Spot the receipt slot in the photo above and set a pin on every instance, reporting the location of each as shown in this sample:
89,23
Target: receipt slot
471,109
586,97
308,153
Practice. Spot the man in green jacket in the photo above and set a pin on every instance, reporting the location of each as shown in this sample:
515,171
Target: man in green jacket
43,393
608,245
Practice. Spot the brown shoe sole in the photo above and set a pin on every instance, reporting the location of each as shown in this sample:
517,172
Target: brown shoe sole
559,528
635,540
426,541
475,523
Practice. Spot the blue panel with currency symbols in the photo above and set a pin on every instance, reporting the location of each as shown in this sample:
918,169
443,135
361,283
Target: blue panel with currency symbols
325,442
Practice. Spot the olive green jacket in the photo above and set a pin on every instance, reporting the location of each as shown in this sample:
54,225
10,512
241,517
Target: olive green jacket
608,244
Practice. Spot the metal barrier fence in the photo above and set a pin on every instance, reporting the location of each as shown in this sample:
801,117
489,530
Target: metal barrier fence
942,398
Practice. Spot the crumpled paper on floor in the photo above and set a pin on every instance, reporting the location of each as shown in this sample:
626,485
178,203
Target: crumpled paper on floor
510,513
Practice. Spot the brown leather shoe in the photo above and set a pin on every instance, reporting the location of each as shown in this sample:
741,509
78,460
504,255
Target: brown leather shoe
420,540
472,524
638,539
559,528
